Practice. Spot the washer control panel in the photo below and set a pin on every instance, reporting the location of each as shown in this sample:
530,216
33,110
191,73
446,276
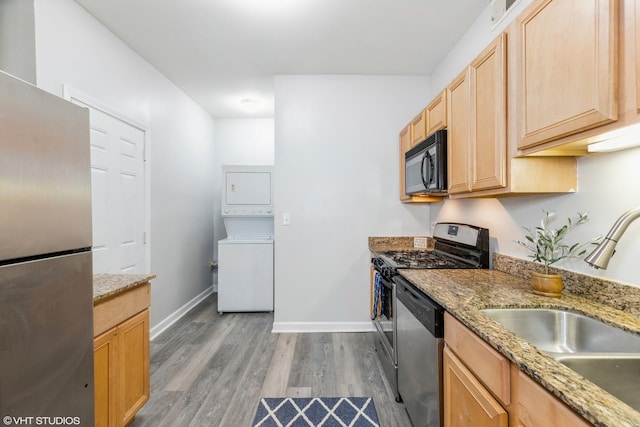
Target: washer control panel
247,211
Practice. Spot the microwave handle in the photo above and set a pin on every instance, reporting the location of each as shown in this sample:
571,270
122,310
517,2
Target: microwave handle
426,180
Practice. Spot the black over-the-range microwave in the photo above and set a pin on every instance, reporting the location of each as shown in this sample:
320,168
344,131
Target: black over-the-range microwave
426,165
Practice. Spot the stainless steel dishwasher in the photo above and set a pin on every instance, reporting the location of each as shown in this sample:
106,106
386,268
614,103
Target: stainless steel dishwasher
420,332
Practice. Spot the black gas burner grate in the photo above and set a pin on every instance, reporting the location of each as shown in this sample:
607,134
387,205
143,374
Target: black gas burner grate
423,259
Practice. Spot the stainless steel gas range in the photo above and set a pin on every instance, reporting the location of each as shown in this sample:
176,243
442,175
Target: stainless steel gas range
457,246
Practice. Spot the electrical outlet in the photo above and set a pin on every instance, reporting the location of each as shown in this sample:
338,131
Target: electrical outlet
420,242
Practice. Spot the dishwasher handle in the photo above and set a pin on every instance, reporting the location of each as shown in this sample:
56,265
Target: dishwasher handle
427,311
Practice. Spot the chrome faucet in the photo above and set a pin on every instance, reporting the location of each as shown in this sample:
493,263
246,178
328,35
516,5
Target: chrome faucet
600,256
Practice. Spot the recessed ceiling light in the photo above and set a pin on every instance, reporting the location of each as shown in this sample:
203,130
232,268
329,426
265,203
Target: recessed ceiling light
269,9
250,101
251,104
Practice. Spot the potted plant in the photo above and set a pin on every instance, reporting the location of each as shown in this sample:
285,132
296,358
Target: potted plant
547,247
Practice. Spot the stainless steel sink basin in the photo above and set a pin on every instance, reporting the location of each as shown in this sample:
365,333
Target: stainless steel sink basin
559,332
616,373
605,355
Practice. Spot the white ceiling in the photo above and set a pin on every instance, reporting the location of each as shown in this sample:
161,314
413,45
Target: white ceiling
222,51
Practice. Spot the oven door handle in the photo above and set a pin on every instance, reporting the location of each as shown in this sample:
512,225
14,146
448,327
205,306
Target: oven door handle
377,296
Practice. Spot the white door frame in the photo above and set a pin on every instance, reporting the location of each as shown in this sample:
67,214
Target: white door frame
70,94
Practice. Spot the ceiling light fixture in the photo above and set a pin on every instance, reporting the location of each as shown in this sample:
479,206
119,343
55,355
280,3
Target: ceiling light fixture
251,105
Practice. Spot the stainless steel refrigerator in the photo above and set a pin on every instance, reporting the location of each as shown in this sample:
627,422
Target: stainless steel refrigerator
46,291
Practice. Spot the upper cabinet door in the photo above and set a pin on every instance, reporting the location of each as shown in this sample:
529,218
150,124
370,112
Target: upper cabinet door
459,134
566,69
489,117
637,53
437,113
419,128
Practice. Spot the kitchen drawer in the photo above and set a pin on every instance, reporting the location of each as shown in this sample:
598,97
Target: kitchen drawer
489,366
121,307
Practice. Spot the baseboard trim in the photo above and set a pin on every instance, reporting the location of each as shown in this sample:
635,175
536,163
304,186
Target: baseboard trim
304,327
178,314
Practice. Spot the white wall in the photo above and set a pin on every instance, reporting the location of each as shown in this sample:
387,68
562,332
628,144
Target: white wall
239,142
606,189
607,185
74,49
336,173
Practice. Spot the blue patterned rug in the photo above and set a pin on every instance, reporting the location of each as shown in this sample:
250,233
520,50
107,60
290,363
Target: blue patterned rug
316,412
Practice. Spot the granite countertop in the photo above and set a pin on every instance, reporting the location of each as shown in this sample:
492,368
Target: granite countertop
106,286
464,292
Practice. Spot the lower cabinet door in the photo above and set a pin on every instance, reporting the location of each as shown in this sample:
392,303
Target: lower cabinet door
105,359
467,403
539,408
133,365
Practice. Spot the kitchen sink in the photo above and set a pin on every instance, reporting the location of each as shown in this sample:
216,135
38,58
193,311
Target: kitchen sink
558,332
603,354
617,373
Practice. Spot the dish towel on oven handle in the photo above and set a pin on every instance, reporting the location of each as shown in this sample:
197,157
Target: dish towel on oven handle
378,297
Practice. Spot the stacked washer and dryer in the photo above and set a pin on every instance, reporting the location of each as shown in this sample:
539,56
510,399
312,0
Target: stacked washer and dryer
245,256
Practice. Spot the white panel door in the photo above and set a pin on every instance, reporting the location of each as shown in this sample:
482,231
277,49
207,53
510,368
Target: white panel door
118,193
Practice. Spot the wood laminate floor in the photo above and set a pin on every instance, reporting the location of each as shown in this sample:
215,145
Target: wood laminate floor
210,370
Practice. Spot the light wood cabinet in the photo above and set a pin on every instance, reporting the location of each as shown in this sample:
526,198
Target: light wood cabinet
628,92
483,388
489,117
632,15
459,134
481,148
105,360
429,120
418,128
491,167
121,357
466,401
133,366
567,76
436,113
539,408
477,114
492,368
